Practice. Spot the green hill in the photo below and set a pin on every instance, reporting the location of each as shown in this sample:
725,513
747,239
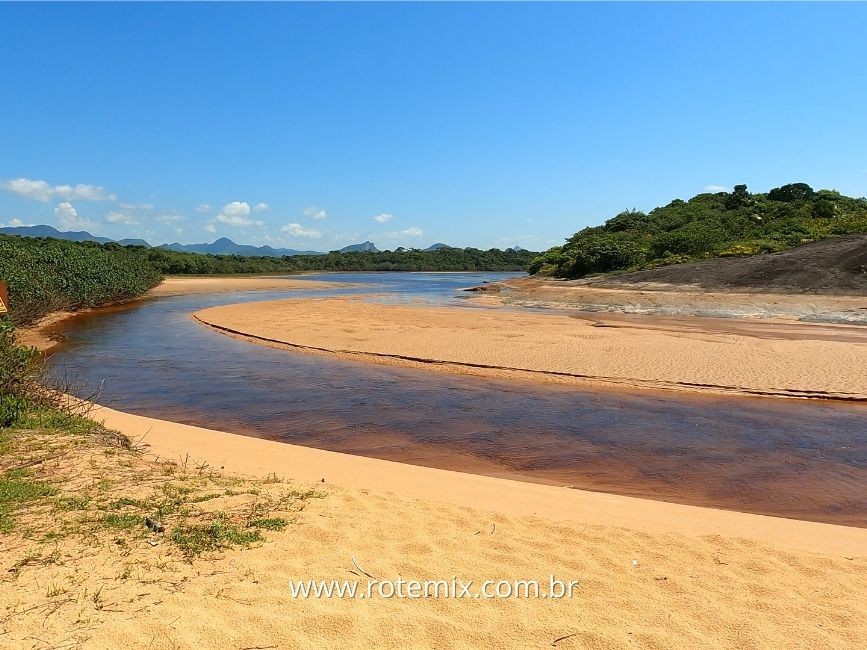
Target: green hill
722,224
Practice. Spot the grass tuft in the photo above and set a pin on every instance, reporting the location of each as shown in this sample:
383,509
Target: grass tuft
121,521
269,523
16,489
195,539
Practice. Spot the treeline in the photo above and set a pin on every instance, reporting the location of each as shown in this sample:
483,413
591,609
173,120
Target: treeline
444,259
736,223
46,275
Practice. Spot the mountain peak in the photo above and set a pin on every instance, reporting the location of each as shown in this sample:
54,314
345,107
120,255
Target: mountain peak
366,247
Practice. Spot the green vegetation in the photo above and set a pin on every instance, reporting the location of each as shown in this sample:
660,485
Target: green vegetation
17,488
47,275
735,223
444,259
19,375
195,539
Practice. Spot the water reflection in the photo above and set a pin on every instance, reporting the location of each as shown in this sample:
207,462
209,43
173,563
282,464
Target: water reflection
783,457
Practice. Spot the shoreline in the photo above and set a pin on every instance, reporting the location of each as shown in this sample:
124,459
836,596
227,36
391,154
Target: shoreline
644,573
518,485
247,455
518,345
39,334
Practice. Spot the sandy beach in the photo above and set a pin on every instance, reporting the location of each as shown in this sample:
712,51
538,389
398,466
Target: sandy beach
559,347
650,574
179,285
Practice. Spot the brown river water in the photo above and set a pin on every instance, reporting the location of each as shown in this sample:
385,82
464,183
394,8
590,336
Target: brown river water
791,458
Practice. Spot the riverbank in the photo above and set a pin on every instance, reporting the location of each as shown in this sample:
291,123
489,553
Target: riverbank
649,573
817,361
610,294
258,457
42,334
183,285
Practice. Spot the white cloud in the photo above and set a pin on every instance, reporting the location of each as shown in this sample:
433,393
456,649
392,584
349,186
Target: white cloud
297,230
83,192
717,188
262,207
15,223
383,218
402,234
203,207
120,217
36,190
210,227
169,218
315,212
68,216
236,213
39,190
234,220
136,206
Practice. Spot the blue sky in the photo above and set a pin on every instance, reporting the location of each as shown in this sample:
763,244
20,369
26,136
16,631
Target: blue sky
314,126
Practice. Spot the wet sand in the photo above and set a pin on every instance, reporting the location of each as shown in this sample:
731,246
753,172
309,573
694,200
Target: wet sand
557,347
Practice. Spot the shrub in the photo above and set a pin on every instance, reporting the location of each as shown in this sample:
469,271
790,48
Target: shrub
19,373
729,224
46,275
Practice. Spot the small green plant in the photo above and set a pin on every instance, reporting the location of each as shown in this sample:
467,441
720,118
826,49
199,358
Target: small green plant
126,502
67,504
16,489
195,539
121,521
268,523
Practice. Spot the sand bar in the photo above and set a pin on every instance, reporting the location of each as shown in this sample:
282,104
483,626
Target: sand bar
179,285
556,347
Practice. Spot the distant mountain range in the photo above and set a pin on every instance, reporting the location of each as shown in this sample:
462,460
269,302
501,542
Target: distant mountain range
225,246
48,231
222,246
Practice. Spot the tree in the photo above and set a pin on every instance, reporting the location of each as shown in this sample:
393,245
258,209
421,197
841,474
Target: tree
791,193
738,198
823,209
627,220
